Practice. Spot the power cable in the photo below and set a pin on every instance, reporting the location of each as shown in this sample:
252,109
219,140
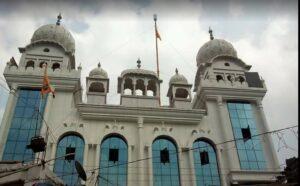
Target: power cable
147,158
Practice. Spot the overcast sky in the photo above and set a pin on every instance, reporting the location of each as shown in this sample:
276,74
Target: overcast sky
117,33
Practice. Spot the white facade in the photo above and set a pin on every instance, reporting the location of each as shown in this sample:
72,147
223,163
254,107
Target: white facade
139,118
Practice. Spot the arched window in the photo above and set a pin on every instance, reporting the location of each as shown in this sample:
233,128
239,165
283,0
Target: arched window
205,161
113,161
219,77
128,85
55,66
140,88
42,63
65,167
151,87
96,87
165,162
30,64
181,93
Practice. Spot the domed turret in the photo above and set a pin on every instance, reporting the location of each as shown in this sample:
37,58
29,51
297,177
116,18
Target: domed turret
97,86
55,33
139,87
179,92
98,72
214,48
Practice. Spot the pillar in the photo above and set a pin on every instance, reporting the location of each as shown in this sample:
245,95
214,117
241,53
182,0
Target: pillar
141,152
192,167
268,137
6,119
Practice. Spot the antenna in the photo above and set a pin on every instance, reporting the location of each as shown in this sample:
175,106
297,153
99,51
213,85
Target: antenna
80,170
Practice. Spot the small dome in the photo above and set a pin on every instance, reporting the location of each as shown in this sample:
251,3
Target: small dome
139,71
213,48
98,73
178,79
55,33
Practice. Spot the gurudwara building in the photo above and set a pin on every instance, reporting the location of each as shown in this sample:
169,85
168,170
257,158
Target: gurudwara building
212,138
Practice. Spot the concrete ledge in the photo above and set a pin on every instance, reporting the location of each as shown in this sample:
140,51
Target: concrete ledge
252,176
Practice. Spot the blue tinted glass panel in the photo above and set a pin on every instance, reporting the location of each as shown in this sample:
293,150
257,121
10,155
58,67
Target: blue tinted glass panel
24,119
250,151
113,173
65,169
207,174
165,174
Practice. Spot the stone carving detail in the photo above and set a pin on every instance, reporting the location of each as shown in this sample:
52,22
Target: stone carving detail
114,126
200,131
162,128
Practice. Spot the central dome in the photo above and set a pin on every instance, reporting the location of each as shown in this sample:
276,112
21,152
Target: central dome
213,48
55,33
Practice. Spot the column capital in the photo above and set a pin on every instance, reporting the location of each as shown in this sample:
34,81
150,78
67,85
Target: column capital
259,103
219,100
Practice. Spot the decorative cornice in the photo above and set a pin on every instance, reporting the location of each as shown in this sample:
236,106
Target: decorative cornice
118,112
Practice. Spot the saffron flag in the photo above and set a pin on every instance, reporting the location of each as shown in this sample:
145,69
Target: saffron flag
46,88
157,34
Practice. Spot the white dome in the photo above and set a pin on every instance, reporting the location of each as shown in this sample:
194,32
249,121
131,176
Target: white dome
214,48
178,79
98,73
55,33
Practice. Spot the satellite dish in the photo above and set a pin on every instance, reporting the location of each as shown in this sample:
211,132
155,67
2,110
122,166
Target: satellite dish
80,170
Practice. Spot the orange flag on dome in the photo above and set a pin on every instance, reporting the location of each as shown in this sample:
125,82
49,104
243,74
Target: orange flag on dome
46,88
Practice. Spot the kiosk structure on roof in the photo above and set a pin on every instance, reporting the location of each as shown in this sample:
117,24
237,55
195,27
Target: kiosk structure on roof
210,138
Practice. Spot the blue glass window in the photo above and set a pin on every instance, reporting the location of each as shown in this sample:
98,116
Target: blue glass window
65,169
165,173
113,162
208,173
25,123
250,151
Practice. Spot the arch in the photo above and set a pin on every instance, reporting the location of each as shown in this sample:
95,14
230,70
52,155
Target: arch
113,151
230,78
181,93
42,63
29,64
165,161
151,87
69,143
140,85
46,50
241,79
205,162
96,87
55,66
219,77
128,85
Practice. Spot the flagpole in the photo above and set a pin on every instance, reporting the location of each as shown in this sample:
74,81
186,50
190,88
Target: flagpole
156,47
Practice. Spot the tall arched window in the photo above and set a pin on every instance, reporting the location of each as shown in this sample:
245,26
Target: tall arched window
65,167
113,162
206,166
165,162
